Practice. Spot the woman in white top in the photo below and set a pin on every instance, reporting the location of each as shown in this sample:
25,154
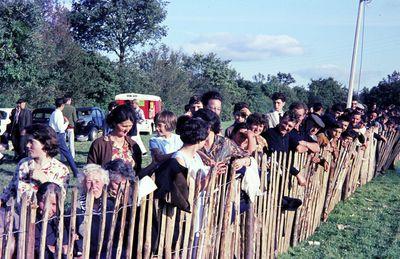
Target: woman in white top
166,142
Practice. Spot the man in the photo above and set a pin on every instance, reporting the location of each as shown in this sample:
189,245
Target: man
279,101
298,140
139,117
69,112
278,140
212,100
318,109
60,124
331,118
20,117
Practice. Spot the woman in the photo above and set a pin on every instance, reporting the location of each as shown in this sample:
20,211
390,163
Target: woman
218,150
51,192
117,145
93,179
39,167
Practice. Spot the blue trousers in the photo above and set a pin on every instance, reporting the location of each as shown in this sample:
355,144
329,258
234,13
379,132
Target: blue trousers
64,150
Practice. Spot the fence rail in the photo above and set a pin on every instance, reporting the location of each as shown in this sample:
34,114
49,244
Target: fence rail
216,227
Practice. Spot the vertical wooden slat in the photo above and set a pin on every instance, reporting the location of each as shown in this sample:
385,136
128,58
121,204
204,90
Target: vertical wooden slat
87,222
72,226
30,245
60,236
44,223
123,220
102,223
22,228
132,221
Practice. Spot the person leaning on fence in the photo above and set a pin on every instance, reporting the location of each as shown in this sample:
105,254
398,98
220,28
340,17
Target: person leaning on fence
258,123
93,179
173,176
51,193
218,151
118,144
278,139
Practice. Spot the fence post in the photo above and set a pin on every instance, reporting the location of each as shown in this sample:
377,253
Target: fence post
72,224
22,228
250,231
87,223
44,226
10,238
30,245
103,222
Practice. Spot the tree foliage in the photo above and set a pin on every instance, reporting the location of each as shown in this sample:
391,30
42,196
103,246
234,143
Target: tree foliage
387,91
327,91
117,25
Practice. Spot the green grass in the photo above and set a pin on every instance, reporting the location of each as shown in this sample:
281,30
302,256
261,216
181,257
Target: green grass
371,220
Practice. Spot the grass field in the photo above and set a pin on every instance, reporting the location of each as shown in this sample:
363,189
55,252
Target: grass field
367,225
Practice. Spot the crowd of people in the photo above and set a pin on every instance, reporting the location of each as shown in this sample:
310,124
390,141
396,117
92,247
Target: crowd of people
188,146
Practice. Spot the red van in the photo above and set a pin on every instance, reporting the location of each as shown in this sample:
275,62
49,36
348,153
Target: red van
150,104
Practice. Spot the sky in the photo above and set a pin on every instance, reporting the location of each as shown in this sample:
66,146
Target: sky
307,38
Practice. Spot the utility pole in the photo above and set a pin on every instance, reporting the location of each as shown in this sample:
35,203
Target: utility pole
355,52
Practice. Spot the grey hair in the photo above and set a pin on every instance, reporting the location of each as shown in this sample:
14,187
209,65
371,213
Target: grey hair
91,169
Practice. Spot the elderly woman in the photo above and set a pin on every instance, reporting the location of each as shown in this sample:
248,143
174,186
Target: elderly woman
92,179
117,145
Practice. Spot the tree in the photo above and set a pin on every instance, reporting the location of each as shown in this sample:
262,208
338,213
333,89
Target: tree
117,26
208,72
328,91
165,75
386,93
19,49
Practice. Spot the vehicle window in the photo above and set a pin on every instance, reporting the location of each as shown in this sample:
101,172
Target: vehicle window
47,115
3,115
38,115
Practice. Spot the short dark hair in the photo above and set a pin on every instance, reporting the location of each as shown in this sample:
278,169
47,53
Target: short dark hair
344,118
211,118
194,131
277,95
239,106
194,99
168,118
298,106
48,186
45,135
337,107
119,167
120,114
289,116
210,95
180,122
317,106
59,102
258,119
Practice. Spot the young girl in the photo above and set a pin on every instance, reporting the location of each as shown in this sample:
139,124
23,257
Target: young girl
166,142
51,192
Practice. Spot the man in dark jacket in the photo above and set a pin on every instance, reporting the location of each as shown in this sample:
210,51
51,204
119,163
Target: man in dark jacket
21,117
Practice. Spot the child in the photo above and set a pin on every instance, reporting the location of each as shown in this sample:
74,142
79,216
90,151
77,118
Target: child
51,192
166,142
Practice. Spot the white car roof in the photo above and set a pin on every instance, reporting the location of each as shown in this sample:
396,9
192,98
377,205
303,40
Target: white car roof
135,96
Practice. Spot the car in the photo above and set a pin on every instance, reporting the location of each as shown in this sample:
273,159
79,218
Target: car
42,115
90,123
4,119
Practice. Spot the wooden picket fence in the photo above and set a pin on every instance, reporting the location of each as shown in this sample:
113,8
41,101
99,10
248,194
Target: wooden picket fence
215,228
